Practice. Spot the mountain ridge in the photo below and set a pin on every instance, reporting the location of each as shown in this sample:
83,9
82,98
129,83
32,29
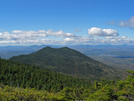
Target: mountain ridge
69,61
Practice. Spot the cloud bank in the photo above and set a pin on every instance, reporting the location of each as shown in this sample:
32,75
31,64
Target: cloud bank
95,36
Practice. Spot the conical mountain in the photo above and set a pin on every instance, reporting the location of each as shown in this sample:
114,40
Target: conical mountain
69,61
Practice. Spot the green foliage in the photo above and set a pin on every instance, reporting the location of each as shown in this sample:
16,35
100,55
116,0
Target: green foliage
119,90
23,75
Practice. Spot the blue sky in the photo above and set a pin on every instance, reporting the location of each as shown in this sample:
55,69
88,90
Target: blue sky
62,22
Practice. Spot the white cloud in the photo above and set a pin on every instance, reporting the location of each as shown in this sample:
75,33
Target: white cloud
5,36
123,23
94,31
115,37
69,39
121,40
128,23
80,40
17,31
124,37
42,33
59,33
108,37
5,42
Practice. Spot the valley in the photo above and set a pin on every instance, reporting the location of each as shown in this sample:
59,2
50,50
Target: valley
119,56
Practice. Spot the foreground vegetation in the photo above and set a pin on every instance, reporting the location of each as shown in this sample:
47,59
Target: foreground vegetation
101,91
30,83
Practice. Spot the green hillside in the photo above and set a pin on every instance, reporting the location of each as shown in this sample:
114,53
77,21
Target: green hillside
70,62
24,75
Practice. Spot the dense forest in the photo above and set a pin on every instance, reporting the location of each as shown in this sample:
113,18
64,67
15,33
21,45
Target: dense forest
24,75
30,83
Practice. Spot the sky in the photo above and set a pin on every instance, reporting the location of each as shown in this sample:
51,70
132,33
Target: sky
66,22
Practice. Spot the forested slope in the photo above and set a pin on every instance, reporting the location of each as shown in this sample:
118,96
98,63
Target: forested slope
69,61
24,75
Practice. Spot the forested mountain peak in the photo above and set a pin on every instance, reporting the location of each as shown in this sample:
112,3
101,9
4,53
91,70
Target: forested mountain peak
47,47
69,61
64,47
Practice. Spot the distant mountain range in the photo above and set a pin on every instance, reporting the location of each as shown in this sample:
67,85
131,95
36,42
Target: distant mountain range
70,62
